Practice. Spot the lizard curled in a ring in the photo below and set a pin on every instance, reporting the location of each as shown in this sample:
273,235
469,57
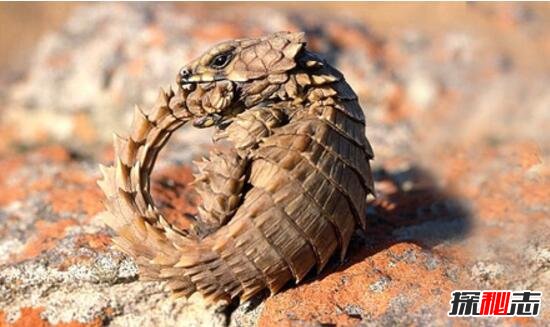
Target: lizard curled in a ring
285,198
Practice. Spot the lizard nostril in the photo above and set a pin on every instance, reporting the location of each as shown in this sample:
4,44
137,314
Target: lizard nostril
185,73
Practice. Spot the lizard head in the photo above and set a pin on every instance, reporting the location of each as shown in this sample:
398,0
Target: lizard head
236,75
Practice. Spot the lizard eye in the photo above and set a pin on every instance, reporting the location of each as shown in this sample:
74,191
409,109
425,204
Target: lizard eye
220,61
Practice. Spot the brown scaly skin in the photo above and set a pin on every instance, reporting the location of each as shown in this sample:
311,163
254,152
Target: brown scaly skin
287,196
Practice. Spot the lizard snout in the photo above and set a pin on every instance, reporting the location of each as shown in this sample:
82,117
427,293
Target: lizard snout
185,73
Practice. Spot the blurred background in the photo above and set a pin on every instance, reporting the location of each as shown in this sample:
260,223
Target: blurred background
457,100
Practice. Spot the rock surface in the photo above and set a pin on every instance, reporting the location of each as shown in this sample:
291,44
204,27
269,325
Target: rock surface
461,168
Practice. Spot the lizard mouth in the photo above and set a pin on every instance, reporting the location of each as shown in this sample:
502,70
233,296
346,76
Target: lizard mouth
187,86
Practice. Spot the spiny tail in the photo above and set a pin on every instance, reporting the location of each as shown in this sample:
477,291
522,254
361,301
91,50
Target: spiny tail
161,250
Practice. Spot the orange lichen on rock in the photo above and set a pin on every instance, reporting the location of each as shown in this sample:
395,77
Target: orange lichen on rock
8,193
46,237
31,317
53,153
368,288
174,195
12,190
506,187
98,242
77,192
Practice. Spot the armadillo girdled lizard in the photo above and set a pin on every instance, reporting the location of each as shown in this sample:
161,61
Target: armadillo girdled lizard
280,203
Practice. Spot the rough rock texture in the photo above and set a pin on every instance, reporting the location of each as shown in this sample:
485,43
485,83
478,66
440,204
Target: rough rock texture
461,168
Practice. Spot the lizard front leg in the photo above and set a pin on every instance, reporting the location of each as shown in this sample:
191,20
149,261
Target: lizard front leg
220,184
222,177
248,128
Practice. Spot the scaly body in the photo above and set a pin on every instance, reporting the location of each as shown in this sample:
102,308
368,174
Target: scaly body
280,203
